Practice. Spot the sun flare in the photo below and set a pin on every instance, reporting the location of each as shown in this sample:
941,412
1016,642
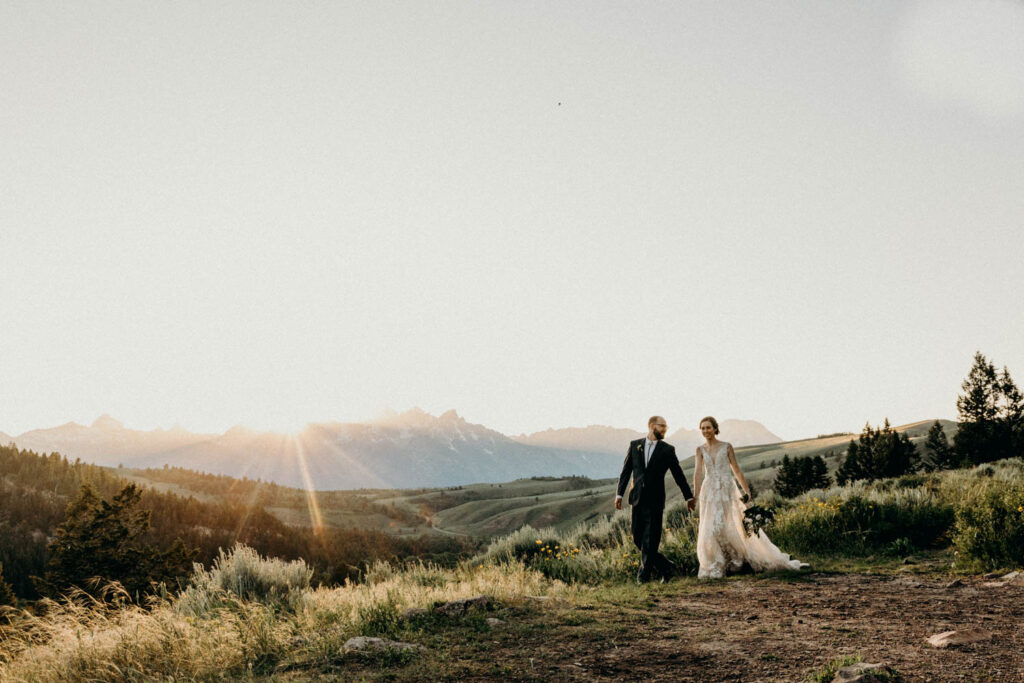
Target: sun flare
281,424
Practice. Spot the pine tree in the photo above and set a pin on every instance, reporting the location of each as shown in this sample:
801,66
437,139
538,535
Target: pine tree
991,412
103,540
854,466
893,454
818,475
978,409
1011,415
785,483
939,454
979,402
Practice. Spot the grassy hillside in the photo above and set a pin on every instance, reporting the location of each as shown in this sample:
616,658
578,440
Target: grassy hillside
206,513
476,510
482,510
563,605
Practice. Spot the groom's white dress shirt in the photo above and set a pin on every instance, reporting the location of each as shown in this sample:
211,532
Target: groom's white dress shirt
648,449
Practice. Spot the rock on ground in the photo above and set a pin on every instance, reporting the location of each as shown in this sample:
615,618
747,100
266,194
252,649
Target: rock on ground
967,635
457,608
861,672
363,643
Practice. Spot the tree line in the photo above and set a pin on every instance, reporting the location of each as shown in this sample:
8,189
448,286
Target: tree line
89,520
991,427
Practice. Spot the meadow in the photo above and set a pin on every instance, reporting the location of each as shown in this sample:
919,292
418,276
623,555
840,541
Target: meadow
253,618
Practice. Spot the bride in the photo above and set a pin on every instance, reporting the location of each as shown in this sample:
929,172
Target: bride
722,542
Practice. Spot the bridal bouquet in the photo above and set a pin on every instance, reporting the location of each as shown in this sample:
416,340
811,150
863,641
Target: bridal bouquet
757,518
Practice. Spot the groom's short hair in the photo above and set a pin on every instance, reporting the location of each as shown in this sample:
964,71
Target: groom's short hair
653,419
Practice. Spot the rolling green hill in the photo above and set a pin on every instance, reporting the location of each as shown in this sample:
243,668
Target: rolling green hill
480,510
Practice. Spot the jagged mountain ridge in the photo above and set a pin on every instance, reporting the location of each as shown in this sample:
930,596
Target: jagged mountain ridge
106,441
613,440
407,450
400,450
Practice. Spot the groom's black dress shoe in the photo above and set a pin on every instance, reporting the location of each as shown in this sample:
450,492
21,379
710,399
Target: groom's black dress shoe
643,578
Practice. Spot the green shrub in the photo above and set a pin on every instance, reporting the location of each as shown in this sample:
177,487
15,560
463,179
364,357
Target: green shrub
857,521
599,552
826,673
901,547
989,531
378,619
242,573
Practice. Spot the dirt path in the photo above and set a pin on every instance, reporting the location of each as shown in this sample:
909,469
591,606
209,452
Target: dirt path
772,630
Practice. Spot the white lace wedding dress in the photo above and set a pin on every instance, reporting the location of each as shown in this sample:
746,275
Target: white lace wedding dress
722,542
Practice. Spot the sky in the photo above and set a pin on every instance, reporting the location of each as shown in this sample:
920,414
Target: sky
539,214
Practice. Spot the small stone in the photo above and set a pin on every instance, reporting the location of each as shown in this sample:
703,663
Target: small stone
491,621
363,643
1014,578
752,617
457,608
967,635
990,575
861,672
955,583
993,584
414,612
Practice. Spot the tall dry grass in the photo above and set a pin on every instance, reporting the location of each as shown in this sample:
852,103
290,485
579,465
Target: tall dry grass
245,615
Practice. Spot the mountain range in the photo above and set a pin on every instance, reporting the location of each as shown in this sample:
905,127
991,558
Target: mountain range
401,450
601,439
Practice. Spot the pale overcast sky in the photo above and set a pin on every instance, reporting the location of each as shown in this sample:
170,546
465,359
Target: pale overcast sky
541,214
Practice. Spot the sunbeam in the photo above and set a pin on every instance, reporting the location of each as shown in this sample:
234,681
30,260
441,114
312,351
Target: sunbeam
307,481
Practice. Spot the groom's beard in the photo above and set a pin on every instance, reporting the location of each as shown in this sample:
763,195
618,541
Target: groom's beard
658,436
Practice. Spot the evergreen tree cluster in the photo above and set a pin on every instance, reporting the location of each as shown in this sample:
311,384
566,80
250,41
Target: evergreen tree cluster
105,540
799,475
991,412
878,453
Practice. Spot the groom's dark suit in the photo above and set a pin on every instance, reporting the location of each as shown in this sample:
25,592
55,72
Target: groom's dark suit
648,500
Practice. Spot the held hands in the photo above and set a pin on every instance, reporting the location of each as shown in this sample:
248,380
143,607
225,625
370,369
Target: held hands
618,502
691,504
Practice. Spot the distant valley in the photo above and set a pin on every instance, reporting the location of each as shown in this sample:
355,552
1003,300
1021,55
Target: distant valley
488,509
407,450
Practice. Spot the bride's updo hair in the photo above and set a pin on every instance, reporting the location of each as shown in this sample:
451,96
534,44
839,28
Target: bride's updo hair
713,421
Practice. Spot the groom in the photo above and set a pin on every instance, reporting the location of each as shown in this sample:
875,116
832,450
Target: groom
647,460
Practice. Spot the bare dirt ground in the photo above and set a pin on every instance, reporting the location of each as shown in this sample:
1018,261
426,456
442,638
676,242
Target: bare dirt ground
747,628
764,630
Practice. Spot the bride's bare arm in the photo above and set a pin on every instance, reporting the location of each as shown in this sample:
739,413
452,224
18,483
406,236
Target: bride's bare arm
738,472
698,473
